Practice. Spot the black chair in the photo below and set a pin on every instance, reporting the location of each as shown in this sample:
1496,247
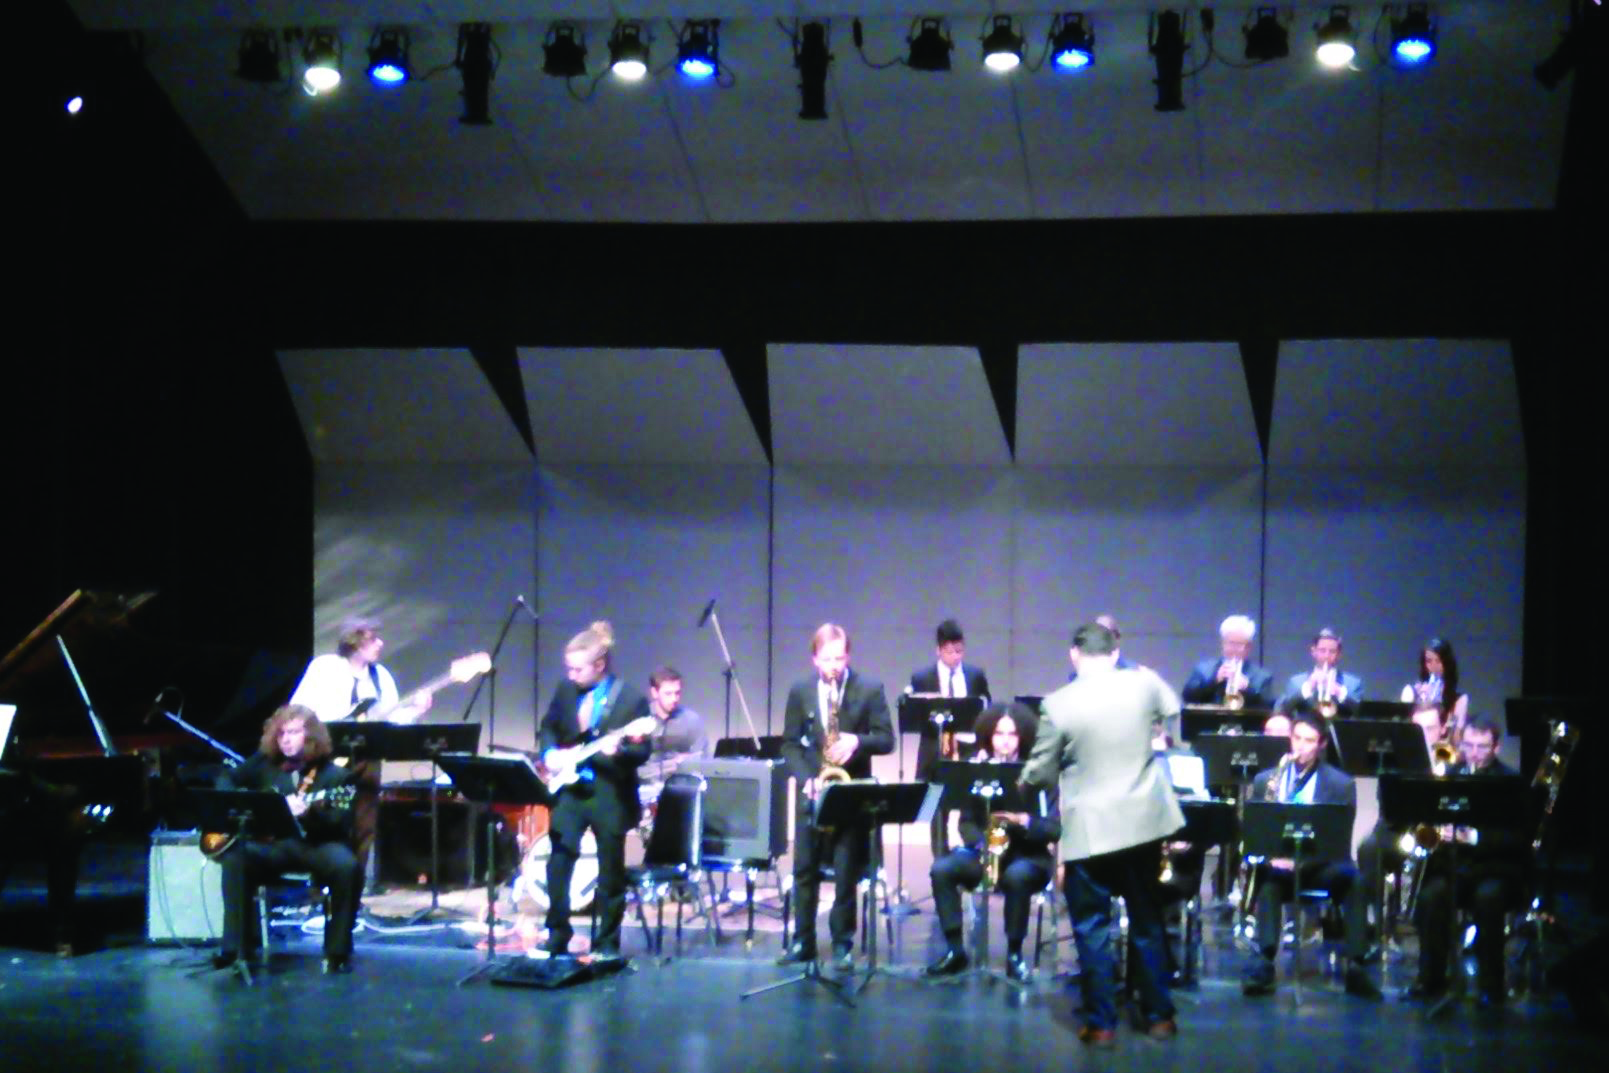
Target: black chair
671,860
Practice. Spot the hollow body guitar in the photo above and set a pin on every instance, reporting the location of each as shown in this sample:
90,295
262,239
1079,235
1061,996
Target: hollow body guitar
213,844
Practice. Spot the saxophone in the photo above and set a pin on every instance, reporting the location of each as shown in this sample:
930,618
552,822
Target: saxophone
1276,778
831,773
996,840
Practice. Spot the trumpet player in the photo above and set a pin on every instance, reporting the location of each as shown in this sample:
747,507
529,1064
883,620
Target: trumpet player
1326,689
1234,673
949,675
1438,705
1023,865
1303,777
835,718
1491,873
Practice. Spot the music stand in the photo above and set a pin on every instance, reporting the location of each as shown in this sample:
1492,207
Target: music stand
928,717
1235,759
1394,710
1316,832
770,748
997,785
412,742
245,814
1463,801
500,781
1371,747
1198,719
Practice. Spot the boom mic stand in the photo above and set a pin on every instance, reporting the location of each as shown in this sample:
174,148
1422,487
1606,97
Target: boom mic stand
730,674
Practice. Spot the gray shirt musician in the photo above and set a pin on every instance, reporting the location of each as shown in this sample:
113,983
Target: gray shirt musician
1117,805
681,735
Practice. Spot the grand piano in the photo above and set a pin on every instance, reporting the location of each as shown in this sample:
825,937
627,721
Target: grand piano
98,743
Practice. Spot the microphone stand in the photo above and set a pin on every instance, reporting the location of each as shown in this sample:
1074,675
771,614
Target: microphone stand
731,678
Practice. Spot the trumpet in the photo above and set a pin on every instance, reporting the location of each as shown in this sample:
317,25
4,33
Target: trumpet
1234,700
1324,693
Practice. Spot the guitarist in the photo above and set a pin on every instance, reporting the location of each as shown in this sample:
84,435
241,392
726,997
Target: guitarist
336,683
592,701
293,759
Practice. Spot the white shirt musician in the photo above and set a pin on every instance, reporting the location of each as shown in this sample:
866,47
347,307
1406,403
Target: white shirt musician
336,684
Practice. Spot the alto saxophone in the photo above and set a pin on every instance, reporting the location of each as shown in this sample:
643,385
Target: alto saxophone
831,773
996,840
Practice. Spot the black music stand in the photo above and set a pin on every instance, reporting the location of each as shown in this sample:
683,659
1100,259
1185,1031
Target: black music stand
997,785
501,781
412,742
1198,719
1393,710
1303,832
1371,747
246,815
928,717
770,748
1477,801
1234,759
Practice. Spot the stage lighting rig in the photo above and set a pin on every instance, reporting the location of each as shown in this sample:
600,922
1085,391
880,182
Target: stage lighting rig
1072,42
698,48
1413,35
388,56
930,46
259,58
1165,39
321,52
1002,45
1337,41
564,52
1266,37
812,57
476,60
628,52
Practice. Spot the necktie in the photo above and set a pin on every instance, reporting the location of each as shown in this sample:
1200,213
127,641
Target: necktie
955,684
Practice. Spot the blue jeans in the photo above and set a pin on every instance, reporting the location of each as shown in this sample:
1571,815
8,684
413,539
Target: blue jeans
1090,886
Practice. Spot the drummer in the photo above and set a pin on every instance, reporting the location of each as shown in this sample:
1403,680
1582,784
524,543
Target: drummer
680,737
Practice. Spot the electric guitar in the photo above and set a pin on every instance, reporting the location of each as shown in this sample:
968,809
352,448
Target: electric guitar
460,671
214,844
564,765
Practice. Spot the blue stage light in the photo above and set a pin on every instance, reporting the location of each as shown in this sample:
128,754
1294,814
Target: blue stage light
1072,42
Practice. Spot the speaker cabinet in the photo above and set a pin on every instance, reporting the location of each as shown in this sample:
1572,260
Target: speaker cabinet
184,898
745,808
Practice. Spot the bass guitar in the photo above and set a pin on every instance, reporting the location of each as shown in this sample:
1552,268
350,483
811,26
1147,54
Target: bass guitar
461,670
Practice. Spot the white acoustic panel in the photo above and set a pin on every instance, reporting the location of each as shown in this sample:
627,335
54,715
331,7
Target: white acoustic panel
1398,403
646,547
437,553
636,407
1389,557
1134,404
884,405
398,406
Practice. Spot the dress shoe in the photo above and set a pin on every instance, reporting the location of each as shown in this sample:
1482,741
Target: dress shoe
1102,1038
1257,978
1360,984
950,963
797,954
338,965
1017,970
556,948
1164,1029
843,958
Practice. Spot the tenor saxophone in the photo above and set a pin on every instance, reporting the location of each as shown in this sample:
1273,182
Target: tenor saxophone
831,773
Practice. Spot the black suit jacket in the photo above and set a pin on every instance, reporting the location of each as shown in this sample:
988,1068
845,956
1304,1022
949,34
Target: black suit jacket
561,730
926,680
321,822
1033,840
1203,687
863,712
1334,787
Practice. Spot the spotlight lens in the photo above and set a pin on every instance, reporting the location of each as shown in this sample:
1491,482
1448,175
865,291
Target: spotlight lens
631,70
695,68
75,105
1413,50
388,74
1072,59
1001,61
320,79
1336,53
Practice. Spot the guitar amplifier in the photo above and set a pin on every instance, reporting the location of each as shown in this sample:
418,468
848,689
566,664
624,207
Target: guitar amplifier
745,808
184,898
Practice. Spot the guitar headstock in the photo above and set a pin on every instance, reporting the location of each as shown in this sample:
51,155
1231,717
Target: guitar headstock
466,667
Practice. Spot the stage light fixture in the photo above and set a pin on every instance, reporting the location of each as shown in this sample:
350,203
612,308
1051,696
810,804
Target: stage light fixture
564,53
812,58
1072,42
476,61
1266,37
259,57
388,57
930,46
74,105
628,53
1167,45
1413,36
1002,45
322,54
698,48
1336,39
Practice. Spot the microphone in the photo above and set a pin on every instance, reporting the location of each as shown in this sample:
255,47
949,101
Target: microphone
155,709
520,601
709,609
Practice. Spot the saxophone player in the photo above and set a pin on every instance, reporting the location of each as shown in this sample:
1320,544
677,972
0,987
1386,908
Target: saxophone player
1005,735
1303,777
854,709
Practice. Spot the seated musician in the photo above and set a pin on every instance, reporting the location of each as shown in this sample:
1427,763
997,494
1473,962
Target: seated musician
1303,777
1212,679
1005,734
1491,875
293,759
1326,689
680,737
42,820
1438,705
949,675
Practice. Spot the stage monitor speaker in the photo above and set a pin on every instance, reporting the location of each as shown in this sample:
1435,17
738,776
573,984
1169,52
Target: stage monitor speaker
184,898
745,808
